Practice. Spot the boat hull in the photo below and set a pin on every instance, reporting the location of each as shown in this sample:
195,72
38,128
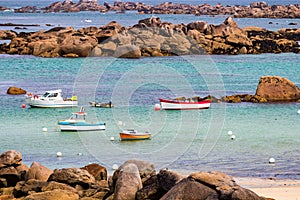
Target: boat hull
37,103
81,127
126,136
177,105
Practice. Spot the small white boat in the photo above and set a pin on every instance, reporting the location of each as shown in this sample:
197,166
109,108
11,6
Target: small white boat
183,105
51,99
77,122
131,134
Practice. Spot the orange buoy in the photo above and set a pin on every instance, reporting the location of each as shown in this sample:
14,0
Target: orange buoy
23,105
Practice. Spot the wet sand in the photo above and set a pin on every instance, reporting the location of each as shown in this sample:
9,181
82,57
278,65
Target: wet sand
279,189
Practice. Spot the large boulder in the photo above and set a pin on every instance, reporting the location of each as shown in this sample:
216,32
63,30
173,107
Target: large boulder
146,169
128,182
45,48
15,91
53,195
52,185
78,44
128,51
190,189
151,190
38,171
168,179
98,171
275,88
23,188
73,177
11,176
10,158
209,185
7,35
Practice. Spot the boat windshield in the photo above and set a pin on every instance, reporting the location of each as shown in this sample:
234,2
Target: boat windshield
78,116
46,94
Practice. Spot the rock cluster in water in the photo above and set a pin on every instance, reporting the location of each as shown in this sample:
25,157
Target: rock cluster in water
151,37
134,179
269,89
254,10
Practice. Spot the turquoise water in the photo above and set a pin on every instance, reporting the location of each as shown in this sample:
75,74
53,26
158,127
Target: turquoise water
182,140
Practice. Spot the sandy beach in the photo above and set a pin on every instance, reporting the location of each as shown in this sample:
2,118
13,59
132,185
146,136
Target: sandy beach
279,189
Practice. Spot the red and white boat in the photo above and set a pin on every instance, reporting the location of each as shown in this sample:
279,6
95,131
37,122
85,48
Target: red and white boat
166,104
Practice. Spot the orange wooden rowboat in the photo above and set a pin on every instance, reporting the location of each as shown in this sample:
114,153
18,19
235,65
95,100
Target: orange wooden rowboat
131,134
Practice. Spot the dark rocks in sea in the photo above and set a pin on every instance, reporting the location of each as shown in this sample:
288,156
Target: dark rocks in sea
13,24
151,37
3,8
135,179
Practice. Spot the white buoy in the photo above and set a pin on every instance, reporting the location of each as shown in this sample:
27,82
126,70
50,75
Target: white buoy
120,123
229,133
233,137
272,160
115,167
59,154
298,111
157,106
112,138
44,129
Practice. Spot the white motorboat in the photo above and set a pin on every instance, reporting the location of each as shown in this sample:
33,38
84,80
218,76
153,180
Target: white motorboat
77,122
51,99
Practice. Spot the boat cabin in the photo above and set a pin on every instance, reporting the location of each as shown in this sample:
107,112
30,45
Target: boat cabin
78,116
54,93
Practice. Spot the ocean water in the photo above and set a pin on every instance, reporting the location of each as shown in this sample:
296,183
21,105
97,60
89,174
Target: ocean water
184,141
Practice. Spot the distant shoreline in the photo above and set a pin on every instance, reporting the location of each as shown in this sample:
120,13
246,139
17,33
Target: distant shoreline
254,10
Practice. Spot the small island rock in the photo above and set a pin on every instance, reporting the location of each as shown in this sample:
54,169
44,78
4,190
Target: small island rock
276,88
15,91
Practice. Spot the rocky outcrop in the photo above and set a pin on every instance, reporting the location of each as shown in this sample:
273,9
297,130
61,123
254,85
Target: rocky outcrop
152,37
10,158
98,171
7,35
11,168
254,10
269,89
275,88
135,179
127,51
69,6
38,172
15,90
209,185
72,177
128,182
